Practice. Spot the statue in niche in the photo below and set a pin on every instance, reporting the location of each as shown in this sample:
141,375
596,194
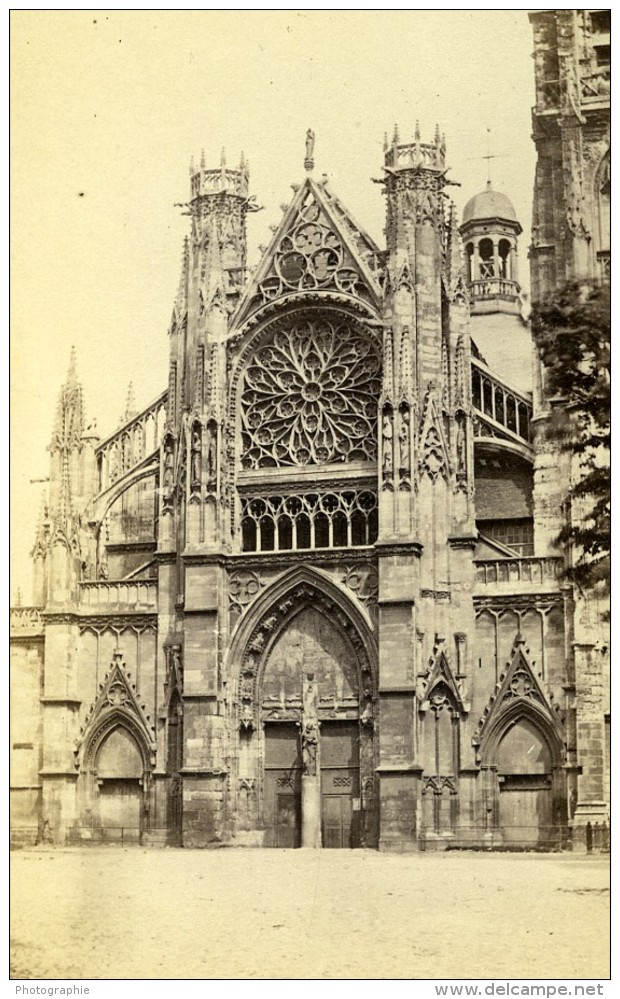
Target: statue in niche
403,441
309,746
387,435
366,716
461,447
246,718
168,476
196,456
211,458
176,665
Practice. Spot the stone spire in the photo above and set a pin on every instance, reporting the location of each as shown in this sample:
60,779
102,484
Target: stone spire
130,405
69,422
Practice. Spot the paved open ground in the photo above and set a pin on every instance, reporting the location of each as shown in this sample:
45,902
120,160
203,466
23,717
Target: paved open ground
133,913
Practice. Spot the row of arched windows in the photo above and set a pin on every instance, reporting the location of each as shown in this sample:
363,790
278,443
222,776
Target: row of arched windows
290,523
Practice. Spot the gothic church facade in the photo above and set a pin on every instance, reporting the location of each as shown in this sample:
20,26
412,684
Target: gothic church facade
302,598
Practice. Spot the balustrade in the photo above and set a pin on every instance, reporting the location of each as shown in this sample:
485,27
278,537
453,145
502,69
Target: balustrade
25,621
529,573
415,154
494,287
138,594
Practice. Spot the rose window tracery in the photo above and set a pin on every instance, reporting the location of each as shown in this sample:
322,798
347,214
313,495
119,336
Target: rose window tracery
310,396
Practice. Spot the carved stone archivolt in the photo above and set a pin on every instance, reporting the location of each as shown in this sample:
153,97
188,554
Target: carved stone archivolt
310,395
518,691
349,690
117,704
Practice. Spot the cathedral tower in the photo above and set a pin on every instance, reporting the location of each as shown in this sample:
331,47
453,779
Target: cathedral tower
571,242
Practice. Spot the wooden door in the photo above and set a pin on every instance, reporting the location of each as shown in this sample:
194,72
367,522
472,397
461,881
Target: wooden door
120,810
525,814
340,795
525,793
282,790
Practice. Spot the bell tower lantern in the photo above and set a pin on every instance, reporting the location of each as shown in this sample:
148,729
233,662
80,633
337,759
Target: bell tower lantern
489,231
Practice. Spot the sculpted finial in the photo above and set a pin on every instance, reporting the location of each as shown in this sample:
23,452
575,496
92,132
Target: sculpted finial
309,160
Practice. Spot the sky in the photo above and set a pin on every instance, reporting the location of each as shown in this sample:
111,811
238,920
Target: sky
107,109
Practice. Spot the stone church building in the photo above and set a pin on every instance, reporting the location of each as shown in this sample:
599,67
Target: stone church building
310,595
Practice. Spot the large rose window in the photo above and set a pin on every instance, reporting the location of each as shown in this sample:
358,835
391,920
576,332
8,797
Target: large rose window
310,397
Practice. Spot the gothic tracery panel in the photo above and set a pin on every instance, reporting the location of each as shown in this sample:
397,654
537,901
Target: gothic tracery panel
310,395
310,255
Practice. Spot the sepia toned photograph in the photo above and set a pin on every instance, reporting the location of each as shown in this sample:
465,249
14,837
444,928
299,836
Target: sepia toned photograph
310,532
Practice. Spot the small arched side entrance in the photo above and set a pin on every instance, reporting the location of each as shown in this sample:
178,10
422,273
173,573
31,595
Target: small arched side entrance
115,760
525,773
304,705
120,773
522,753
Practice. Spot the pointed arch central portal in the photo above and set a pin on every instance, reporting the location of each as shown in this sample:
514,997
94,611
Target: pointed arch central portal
305,635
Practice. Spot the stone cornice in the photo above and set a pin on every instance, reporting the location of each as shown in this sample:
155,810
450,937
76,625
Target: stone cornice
281,560
393,770
463,540
74,702
118,619
395,547
204,772
24,639
517,600
72,774
60,616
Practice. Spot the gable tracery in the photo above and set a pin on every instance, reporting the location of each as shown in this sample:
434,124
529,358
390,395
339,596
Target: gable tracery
310,255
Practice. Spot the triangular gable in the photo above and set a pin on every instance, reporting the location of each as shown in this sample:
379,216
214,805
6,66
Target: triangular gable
519,685
117,697
364,243
441,676
434,454
313,249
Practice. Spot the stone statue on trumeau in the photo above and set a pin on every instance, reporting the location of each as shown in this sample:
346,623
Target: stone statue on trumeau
309,745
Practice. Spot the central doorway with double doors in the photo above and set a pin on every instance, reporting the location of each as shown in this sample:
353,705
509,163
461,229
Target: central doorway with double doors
306,699
339,774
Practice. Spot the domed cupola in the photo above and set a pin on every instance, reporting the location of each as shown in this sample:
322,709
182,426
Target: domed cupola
489,230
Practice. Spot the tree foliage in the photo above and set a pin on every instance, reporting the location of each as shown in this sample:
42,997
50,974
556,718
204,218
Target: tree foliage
572,332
